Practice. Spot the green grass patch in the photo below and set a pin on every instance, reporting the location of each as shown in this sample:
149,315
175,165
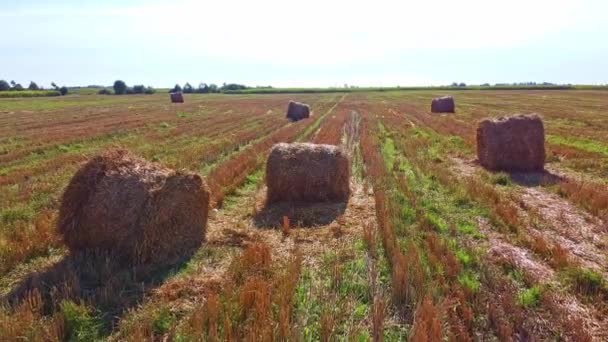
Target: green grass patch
80,325
579,143
340,288
501,178
249,186
162,321
587,282
464,258
437,222
469,281
13,215
529,297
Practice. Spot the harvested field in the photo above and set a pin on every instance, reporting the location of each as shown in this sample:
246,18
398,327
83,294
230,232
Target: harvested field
430,243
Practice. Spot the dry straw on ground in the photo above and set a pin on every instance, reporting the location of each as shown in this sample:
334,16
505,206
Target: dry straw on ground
139,210
177,98
512,144
307,172
443,104
297,111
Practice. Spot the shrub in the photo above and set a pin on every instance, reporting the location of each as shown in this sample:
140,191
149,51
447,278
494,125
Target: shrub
150,90
120,87
63,90
104,91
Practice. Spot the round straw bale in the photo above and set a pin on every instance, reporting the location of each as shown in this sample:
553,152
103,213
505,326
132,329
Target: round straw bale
142,212
512,144
443,104
177,97
297,111
308,173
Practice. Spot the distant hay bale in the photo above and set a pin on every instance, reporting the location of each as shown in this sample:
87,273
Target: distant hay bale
177,97
142,212
443,104
512,144
297,111
308,173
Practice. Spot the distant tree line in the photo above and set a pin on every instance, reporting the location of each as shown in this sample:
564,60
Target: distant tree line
456,84
514,84
204,88
14,86
525,84
121,88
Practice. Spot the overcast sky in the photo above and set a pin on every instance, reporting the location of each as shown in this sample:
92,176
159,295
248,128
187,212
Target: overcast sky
304,43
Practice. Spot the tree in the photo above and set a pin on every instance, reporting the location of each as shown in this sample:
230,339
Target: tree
120,87
233,86
462,84
54,86
139,89
104,91
213,88
33,86
17,86
4,85
150,90
13,84
63,90
188,88
176,89
203,88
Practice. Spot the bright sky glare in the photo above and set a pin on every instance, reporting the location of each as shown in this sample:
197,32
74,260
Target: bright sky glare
304,43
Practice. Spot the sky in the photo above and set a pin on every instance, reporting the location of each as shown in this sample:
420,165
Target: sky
304,43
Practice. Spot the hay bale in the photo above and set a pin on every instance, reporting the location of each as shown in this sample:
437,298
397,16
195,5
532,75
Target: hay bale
308,173
177,97
297,111
512,144
142,212
443,104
